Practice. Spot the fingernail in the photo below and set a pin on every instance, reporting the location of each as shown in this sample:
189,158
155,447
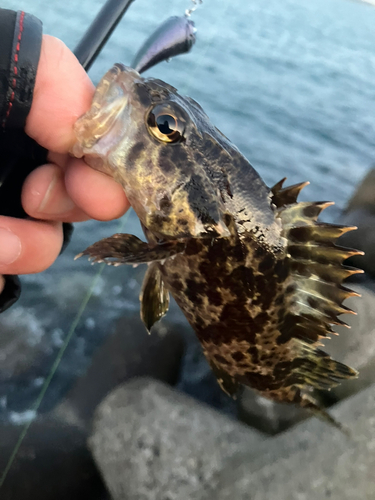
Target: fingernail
55,201
10,247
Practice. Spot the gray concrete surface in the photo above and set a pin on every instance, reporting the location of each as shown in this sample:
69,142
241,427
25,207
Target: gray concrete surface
153,443
128,353
312,461
266,415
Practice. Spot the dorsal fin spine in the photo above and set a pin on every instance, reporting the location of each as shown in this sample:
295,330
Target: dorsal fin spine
317,275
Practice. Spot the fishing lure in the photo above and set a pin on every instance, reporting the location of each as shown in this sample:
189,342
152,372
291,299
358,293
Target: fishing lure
174,36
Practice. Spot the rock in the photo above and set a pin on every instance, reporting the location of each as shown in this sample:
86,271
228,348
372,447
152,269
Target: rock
154,443
312,461
128,353
53,462
266,415
364,196
360,212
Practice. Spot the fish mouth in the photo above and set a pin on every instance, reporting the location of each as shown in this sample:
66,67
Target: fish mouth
107,120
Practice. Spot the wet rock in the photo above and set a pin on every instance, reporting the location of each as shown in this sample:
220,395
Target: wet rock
53,462
312,461
129,352
152,442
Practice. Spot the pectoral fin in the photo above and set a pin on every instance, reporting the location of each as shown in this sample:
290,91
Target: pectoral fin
154,297
128,249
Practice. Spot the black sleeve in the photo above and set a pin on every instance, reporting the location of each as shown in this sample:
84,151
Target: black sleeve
20,44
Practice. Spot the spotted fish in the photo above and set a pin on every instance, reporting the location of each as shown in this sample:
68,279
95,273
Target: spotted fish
254,272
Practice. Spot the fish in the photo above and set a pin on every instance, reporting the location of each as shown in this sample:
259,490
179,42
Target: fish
255,273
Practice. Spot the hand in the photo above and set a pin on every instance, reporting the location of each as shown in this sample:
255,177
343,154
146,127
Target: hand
65,189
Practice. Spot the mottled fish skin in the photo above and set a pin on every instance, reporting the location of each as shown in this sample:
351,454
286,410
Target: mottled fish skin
254,273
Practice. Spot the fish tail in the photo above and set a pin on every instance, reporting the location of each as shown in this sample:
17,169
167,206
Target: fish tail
308,402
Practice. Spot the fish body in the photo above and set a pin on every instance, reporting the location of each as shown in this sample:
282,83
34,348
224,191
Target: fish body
255,274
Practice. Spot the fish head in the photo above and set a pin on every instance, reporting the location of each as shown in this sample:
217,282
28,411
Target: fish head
161,148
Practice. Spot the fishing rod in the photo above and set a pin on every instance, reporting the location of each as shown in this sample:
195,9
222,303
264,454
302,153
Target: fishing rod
173,37
100,30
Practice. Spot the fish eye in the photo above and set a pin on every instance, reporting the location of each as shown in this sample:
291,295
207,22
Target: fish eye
166,124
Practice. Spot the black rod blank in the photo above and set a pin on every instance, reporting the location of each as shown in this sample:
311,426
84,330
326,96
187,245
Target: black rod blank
100,30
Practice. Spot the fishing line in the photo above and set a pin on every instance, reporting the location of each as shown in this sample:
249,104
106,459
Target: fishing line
210,41
57,361
188,12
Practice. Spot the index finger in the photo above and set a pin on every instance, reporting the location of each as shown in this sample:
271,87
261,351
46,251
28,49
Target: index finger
63,92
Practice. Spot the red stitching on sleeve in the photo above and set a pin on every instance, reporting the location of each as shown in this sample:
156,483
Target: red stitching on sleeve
15,69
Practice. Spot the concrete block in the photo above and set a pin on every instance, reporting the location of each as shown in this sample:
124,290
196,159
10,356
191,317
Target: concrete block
129,352
312,461
153,443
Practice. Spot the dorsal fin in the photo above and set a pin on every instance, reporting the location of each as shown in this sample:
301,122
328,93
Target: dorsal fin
285,196
315,286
